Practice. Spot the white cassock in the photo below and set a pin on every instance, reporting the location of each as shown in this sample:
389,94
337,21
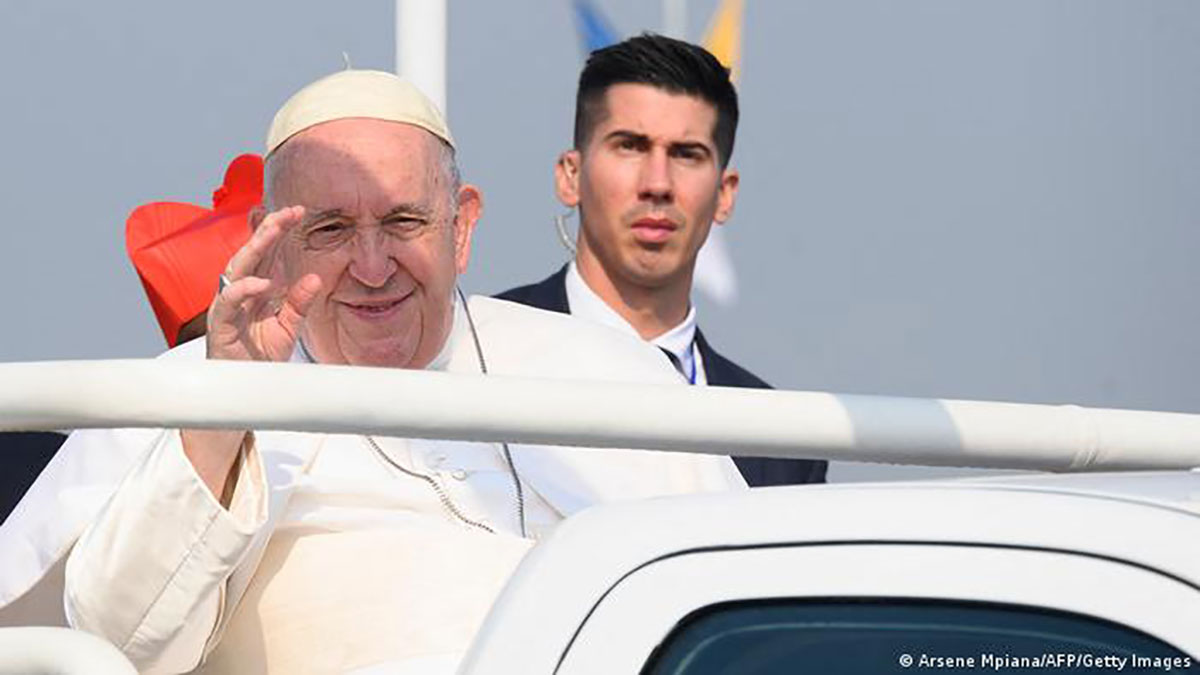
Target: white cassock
335,554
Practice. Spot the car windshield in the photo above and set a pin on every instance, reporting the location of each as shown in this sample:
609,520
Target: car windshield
891,636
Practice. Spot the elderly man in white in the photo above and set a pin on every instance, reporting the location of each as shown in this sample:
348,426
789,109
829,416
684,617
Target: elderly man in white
239,551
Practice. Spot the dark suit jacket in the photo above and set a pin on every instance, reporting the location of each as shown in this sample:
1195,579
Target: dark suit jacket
551,294
23,455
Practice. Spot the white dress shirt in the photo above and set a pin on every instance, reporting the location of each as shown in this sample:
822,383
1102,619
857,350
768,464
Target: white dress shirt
680,341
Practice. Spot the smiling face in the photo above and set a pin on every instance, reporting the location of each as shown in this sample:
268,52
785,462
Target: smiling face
649,184
385,232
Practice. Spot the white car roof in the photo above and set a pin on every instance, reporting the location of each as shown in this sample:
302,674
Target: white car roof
1137,517
1148,520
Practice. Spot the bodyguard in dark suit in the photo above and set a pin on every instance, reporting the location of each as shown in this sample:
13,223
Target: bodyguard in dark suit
655,120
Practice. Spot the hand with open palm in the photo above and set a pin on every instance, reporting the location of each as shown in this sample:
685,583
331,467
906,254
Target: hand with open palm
257,316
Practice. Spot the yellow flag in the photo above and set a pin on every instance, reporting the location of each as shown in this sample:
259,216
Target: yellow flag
724,36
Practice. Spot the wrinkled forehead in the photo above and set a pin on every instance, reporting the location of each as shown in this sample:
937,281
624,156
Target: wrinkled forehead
366,159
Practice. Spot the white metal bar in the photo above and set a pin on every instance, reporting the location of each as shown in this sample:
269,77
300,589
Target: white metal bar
421,46
41,649
716,420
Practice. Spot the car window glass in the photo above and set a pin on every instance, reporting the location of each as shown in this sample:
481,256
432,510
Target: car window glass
893,636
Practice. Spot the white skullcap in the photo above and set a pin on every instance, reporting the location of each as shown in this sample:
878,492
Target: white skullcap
356,93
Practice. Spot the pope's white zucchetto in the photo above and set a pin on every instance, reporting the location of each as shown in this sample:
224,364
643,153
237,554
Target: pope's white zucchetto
372,94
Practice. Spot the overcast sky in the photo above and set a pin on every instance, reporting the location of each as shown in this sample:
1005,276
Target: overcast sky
990,200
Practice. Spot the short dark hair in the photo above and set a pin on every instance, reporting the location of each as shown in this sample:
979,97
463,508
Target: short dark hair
665,63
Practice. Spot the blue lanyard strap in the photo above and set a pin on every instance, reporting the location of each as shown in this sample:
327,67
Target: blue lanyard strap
692,376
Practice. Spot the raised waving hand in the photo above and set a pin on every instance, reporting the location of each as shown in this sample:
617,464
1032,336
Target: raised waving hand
258,313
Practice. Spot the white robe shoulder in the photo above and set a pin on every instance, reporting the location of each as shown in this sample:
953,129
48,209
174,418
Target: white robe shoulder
531,342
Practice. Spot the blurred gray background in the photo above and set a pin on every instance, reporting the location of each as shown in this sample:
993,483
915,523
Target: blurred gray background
986,200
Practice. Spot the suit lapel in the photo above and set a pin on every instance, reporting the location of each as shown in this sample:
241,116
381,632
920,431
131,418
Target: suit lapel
715,371
555,289
549,294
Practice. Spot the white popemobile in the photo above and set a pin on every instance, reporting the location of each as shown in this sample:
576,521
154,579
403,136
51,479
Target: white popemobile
1087,572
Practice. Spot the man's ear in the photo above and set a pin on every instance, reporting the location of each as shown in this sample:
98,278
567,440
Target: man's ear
726,195
470,207
566,178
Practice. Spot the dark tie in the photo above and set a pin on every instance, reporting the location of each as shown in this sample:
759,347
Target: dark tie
674,361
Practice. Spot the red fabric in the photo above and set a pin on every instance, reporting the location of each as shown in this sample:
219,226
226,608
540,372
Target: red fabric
179,250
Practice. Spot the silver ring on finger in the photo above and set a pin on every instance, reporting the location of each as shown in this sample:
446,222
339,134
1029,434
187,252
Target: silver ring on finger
222,282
